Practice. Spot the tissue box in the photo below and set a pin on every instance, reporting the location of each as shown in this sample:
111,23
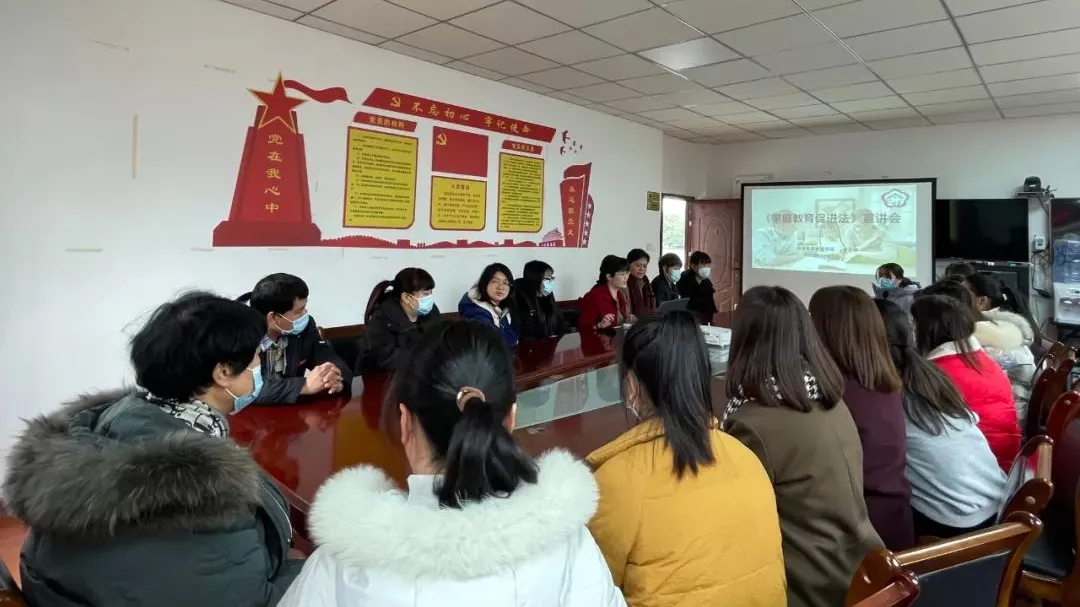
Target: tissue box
716,336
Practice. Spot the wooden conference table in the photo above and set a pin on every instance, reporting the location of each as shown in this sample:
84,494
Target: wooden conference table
568,392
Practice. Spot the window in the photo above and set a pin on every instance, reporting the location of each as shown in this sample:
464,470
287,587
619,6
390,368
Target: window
673,226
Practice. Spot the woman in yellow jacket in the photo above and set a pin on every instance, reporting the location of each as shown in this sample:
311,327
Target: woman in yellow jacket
687,514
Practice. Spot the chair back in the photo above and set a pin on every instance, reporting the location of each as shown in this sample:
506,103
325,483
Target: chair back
10,595
957,572
1029,486
1052,356
1062,413
1046,388
1065,471
900,592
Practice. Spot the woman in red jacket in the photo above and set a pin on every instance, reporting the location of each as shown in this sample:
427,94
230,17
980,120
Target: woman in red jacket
605,305
944,333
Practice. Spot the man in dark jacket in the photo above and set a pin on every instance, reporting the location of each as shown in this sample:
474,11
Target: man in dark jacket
292,345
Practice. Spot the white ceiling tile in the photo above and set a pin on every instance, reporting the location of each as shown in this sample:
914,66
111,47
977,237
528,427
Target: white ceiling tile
832,77
749,118
866,90
509,23
1027,47
567,97
964,93
580,13
605,91
813,5
906,41
640,120
782,101
303,6
786,133
571,47
933,82
693,53
610,111
711,16
879,15
1033,18
723,109
878,115
1032,68
511,61
639,104
647,29
1042,110
869,105
411,51
740,137
728,72
1035,85
807,59
896,123
461,66
622,67
816,121
440,9
337,28
695,124
561,78
374,16
763,126
720,130
525,84
806,111
445,39
669,114
838,129
922,63
964,117
775,36
662,83
1047,98
966,7
701,140
957,107
692,97
267,8
758,88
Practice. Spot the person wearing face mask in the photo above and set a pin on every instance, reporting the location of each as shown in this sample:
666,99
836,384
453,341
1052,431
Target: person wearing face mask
292,345
664,286
532,304
138,497
397,314
890,285
696,285
605,307
488,301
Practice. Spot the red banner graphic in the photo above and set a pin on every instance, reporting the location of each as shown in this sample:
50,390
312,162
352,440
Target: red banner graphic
330,95
577,205
459,152
402,103
385,122
525,148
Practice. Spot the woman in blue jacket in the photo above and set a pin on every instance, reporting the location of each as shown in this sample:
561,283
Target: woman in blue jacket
489,301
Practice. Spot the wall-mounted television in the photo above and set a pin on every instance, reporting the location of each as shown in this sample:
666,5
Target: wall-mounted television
982,230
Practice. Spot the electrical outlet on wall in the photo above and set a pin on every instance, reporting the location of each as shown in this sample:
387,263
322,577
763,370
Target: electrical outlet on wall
1038,243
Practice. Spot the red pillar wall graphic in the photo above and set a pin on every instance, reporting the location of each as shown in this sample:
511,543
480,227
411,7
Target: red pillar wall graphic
271,203
577,205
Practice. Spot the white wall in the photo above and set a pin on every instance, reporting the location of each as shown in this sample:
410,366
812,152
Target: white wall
97,226
685,167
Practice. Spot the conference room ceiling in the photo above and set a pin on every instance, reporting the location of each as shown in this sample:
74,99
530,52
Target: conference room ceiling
723,71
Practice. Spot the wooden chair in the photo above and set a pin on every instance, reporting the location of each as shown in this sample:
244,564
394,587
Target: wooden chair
1047,386
1029,486
957,572
1053,354
1062,413
10,595
901,592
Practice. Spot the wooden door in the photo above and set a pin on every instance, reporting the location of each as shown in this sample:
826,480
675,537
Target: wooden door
715,227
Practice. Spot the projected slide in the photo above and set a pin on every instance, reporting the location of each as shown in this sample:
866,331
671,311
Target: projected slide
833,228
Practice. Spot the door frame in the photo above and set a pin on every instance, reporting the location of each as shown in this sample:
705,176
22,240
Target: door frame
686,221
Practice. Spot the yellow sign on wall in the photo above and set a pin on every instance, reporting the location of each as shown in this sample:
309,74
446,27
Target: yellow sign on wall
652,201
380,181
521,193
458,204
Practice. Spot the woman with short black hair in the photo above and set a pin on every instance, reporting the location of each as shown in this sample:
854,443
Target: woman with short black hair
481,523
665,285
605,307
642,299
489,301
397,313
532,303
697,285
130,494
786,405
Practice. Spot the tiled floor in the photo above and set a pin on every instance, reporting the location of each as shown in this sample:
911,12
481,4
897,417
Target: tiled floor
11,539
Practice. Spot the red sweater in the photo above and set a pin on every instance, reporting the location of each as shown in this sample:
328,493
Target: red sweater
989,394
597,303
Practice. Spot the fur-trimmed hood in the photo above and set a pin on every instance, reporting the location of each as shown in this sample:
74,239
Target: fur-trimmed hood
362,520
1027,332
67,475
472,296
999,334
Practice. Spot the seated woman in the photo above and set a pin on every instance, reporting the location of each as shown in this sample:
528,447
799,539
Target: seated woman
292,345
848,324
488,301
890,284
1003,306
696,285
398,312
945,334
674,480
532,304
665,285
786,405
956,483
642,299
605,305
138,497
481,523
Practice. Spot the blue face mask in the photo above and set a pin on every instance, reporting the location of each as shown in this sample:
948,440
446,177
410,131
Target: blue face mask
298,325
427,302
239,402
676,274
547,287
886,283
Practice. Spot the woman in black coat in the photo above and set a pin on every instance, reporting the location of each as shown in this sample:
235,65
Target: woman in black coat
665,285
696,285
397,313
532,304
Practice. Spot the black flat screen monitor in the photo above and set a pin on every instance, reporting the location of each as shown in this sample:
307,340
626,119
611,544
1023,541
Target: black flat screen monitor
983,230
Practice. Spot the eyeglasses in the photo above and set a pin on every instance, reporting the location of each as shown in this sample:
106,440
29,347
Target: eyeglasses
499,283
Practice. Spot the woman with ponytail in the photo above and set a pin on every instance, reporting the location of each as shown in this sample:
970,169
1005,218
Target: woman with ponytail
481,522
397,314
687,513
